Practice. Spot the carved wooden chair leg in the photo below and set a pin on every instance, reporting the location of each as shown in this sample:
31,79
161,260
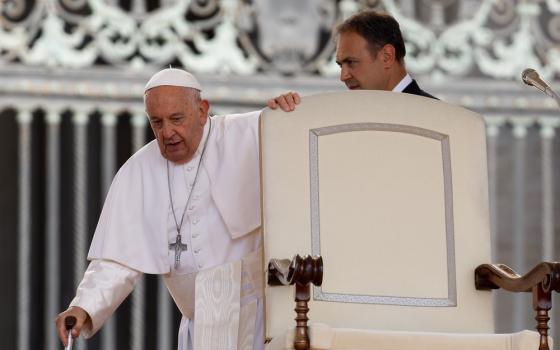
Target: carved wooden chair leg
302,296
542,303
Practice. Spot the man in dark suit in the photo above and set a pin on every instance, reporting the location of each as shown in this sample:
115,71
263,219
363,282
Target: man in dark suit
414,89
370,52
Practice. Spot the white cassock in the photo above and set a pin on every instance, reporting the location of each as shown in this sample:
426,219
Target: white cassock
218,284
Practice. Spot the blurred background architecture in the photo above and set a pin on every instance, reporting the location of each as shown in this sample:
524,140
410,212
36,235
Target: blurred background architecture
71,79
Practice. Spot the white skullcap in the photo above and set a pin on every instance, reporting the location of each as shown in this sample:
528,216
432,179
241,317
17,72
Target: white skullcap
173,77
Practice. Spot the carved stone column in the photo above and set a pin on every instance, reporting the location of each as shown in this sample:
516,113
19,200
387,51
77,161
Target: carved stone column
52,241
108,170
493,125
80,122
138,123
24,119
520,126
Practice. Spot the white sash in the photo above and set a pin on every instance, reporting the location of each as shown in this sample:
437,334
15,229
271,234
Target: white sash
217,307
222,321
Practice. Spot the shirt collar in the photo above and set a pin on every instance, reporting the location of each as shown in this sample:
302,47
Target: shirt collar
403,83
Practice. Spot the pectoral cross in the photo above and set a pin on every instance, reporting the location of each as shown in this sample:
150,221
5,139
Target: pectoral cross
178,247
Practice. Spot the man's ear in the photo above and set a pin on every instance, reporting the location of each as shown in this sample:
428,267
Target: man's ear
387,53
203,107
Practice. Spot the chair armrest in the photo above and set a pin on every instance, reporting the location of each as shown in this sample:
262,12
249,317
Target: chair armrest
302,272
541,281
495,276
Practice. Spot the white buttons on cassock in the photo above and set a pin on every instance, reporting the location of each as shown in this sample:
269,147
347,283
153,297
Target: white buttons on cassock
192,206
196,251
190,168
200,266
195,235
195,221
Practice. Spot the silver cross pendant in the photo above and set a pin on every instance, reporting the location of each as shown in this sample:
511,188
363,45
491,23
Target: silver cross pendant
178,247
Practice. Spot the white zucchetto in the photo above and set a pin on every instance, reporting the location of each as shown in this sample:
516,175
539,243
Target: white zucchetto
173,77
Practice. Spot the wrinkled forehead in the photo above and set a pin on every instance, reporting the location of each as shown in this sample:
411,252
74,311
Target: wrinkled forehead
166,100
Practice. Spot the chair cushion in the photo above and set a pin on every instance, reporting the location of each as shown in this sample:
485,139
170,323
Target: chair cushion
324,337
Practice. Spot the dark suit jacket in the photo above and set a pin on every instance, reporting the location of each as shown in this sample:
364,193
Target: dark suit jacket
414,89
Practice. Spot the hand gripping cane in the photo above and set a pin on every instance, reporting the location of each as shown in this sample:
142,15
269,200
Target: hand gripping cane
69,322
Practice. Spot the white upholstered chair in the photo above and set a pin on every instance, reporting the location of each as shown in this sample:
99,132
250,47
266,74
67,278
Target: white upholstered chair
391,191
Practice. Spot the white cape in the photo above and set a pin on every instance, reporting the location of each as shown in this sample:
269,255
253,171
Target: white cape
132,226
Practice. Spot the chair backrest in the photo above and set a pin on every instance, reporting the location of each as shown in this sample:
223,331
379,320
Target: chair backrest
391,190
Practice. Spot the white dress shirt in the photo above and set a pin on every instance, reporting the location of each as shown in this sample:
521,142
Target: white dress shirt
403,83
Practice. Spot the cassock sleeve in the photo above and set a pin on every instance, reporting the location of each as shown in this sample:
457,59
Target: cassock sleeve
104,287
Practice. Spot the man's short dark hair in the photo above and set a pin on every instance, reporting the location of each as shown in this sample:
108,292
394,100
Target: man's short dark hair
378,29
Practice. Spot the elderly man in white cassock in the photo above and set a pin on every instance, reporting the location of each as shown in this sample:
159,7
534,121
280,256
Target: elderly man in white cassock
186,207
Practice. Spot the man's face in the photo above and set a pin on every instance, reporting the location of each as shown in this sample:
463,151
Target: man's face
177,118
359,68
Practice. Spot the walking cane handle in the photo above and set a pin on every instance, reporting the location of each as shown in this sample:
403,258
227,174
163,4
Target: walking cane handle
69,323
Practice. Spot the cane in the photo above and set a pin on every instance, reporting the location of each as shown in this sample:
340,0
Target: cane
69,322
